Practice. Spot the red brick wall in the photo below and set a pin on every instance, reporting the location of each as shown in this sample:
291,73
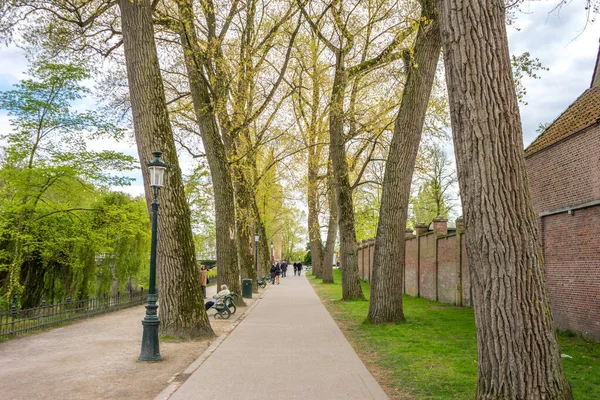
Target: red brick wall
447,269
562,176
411,259
572,260
567,173
361,263
427,266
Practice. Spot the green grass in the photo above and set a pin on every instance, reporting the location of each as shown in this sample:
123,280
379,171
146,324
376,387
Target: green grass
434,354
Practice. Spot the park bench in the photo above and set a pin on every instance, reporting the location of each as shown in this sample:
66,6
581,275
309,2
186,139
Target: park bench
262,283
226,307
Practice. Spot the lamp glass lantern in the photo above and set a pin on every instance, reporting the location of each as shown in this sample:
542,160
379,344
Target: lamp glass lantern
256,237
157,168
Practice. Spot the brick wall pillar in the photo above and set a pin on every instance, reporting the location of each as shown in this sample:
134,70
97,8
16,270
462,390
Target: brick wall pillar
421,229
408,234
440,226
460,225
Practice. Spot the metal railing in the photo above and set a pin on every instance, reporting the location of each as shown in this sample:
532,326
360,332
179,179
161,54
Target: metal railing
16,322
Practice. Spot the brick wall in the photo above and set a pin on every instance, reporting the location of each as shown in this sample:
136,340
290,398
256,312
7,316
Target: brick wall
410,272
572,260
435,267
447,270
427,256
563,176
567,173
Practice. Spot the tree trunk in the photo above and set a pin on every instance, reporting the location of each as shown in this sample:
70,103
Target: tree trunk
348,247
264,251
388,262
229,272
519,356
245,203
181,303
314,228
327,265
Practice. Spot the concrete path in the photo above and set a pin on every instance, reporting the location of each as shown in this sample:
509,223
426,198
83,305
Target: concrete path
287,347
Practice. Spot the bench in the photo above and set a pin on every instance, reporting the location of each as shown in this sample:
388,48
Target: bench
262,283
226,307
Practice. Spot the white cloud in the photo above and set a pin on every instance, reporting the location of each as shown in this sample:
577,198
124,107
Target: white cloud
562,44
13,66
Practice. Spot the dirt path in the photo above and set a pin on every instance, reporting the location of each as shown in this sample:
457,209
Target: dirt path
95,359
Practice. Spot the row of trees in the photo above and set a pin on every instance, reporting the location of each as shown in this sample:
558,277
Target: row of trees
250,85
63,232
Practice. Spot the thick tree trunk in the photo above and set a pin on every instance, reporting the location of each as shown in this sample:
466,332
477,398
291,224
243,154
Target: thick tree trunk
519,356
181,303
348,247
332,228
264,251
314,228
229,273
245,203
388,263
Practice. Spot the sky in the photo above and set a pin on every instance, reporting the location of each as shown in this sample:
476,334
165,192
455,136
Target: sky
560,39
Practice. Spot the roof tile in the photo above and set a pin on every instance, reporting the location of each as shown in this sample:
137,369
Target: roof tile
582,113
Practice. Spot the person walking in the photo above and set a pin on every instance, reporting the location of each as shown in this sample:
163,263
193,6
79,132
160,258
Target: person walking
277,273
203,279
295,267
299,268
273,269
284,266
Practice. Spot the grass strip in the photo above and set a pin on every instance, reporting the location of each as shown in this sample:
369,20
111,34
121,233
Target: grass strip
434,354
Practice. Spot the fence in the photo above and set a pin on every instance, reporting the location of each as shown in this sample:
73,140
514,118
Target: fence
15,322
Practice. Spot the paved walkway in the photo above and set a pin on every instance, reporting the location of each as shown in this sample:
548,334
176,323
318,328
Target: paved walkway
287,347
94,359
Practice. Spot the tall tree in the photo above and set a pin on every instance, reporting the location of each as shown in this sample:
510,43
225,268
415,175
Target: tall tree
311,112
45,151
332,232
519,356
388,261
229,270
181,304
343,75
435,178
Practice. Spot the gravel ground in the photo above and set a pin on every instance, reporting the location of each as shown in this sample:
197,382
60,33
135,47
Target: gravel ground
95,359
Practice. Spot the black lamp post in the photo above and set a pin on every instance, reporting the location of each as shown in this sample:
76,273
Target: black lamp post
150,345
256,237
272,251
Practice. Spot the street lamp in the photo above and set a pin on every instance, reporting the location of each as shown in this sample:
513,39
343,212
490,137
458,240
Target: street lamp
256,237
150,345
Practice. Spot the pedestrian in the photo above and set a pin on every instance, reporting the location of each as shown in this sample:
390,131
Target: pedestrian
203,279
284,266
277,273
295,267
273,269
299,268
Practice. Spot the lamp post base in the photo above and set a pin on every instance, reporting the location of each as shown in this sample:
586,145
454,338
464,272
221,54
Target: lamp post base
150,344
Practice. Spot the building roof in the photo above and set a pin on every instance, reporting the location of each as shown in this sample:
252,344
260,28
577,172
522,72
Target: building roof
584,112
